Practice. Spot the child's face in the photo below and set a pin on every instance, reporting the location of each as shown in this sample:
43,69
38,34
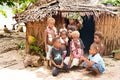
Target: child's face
71,21
97,39
75,38
92,51
51,24
57,44
63,35
69,33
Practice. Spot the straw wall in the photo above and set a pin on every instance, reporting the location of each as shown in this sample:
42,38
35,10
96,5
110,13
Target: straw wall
110,27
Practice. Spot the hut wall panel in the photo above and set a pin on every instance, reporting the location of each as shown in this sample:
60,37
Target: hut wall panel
37,29
110,27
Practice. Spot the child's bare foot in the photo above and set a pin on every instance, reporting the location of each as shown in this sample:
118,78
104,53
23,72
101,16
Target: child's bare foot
48,67
97,76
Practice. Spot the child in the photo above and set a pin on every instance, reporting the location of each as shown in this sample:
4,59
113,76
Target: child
94,62
50,33
63,28
98,39
64,42
56,57
75,51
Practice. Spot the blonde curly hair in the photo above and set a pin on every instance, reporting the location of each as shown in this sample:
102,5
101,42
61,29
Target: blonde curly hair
75,34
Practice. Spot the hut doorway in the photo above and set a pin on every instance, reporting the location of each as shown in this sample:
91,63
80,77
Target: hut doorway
87,32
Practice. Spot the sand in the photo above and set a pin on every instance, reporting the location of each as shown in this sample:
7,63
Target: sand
12,67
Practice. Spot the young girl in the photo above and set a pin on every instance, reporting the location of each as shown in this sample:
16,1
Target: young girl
75,50
94,62
98,39
64,42
50,33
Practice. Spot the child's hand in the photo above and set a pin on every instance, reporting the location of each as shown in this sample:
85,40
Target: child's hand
82,57
59,66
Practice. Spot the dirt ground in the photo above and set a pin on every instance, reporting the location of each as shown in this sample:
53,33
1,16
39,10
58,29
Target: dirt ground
12,67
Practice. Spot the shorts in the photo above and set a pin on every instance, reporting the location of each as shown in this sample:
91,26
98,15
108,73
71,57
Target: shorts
99,67
49,52
75,61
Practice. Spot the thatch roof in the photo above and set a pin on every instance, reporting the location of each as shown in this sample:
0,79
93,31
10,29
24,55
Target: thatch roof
84,7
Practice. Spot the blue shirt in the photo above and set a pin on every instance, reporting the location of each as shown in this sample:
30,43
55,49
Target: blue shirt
97,59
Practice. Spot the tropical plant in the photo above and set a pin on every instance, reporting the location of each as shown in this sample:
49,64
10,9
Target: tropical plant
112,2
20,45
17,6
3,12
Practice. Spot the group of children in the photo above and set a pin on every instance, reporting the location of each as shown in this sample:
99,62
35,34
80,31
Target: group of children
65,49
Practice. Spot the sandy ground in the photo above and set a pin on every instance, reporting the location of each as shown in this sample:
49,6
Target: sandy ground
12,68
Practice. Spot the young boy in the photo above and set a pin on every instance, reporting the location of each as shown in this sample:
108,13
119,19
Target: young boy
64,42
56,57
98,39
50,33
94,62
75,51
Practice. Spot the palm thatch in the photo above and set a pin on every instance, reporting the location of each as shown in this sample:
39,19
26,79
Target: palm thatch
43,9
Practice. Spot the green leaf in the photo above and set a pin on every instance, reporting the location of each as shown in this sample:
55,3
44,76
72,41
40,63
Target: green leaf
3,12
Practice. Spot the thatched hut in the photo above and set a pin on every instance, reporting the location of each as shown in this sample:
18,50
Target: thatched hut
95,18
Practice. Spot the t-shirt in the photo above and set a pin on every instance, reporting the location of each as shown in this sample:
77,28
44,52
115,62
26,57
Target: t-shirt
97,59
56,55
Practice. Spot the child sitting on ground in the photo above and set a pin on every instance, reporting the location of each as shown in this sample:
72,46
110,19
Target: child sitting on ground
98,39
56,57
75,51
50,33
94,62
64,42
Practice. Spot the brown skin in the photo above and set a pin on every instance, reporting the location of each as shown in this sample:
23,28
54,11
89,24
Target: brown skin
69,33
63,36
98,41
92,51
71,21
47,41
57,45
